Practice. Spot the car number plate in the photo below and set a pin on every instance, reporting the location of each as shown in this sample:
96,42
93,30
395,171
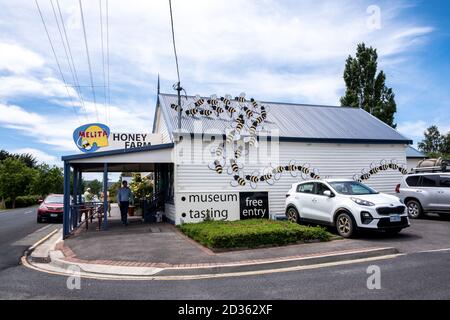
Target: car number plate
53,215
395,218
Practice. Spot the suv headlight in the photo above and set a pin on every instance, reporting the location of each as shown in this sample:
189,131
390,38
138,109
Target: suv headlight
362,202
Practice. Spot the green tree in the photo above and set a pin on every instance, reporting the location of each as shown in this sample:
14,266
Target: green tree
141,187
47,180
445,146
365,88
95,185
432,143
15,179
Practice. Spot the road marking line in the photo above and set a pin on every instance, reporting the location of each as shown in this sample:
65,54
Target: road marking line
36,267
28,212
433,250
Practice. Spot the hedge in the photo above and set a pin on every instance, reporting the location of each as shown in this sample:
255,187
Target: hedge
23,201
251,233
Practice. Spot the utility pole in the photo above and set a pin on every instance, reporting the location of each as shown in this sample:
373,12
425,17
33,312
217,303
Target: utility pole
179,88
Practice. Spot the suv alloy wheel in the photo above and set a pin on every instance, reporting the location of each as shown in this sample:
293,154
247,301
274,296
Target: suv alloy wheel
292,215
414,209
345,225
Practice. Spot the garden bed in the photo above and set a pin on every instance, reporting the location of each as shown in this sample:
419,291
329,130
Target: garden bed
251,233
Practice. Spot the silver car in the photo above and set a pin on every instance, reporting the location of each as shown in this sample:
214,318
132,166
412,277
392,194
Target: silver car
425,192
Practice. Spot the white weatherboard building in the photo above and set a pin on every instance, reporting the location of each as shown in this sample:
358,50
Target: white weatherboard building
336,142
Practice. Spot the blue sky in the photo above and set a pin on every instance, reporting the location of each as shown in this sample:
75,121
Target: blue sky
291,51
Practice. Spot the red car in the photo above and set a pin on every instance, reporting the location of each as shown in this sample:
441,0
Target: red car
51,208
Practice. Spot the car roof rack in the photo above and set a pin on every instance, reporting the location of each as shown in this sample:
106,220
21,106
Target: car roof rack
444,166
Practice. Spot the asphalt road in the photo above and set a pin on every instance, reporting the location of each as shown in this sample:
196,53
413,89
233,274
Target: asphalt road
18,231
413,276
418,274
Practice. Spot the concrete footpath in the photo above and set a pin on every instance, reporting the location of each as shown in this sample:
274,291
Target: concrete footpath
160,251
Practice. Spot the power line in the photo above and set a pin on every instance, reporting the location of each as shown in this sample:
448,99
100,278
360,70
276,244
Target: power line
177,86
57,61
173,41
107,58
71,66
103,59
88,58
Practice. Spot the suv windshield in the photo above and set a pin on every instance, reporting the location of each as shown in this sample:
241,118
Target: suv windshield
54,199
351,188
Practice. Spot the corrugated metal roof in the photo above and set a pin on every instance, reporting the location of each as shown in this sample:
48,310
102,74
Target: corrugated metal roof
414,153
296,121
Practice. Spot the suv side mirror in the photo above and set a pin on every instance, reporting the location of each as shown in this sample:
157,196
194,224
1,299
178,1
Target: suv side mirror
328,193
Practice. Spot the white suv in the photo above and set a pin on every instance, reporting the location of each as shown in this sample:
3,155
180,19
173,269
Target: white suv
346,204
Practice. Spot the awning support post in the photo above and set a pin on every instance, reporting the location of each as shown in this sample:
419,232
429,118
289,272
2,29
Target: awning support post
105,196
74,212
66,213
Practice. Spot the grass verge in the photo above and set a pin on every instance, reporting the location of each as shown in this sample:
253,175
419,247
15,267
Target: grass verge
251,233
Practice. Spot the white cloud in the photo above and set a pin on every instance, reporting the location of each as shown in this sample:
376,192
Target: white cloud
415,129
41,156
17,59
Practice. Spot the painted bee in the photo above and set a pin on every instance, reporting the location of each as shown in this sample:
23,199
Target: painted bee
253,127
198,101
240,123
231,110
305,170
254,103
226,100
374,169
248,112
234,167
277,171
206,112
212,101
259,119
314,174
393,165
230,136
191,112
252,141
292,168
403,170
175,107
384,165
253,178
264,112
238,180
239,152
217,109
84,144
357,178
218,151
241,98
267,177
364,175
217,166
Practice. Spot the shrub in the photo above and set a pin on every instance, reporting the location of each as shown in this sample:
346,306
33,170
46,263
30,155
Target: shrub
251,233
22,201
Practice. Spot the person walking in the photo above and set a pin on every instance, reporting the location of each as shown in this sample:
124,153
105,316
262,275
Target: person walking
124,197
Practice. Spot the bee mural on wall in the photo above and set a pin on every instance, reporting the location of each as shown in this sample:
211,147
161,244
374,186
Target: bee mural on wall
206,112
218,151
393,165
374,168
175,107
364,175
314,174
253,179
198,101
235,166
212,101
292,168
231,110
267,177
252,141
241,98
218,109
240,151
277,171
248,113
192,111
226,100
254,103
217,165
238,180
